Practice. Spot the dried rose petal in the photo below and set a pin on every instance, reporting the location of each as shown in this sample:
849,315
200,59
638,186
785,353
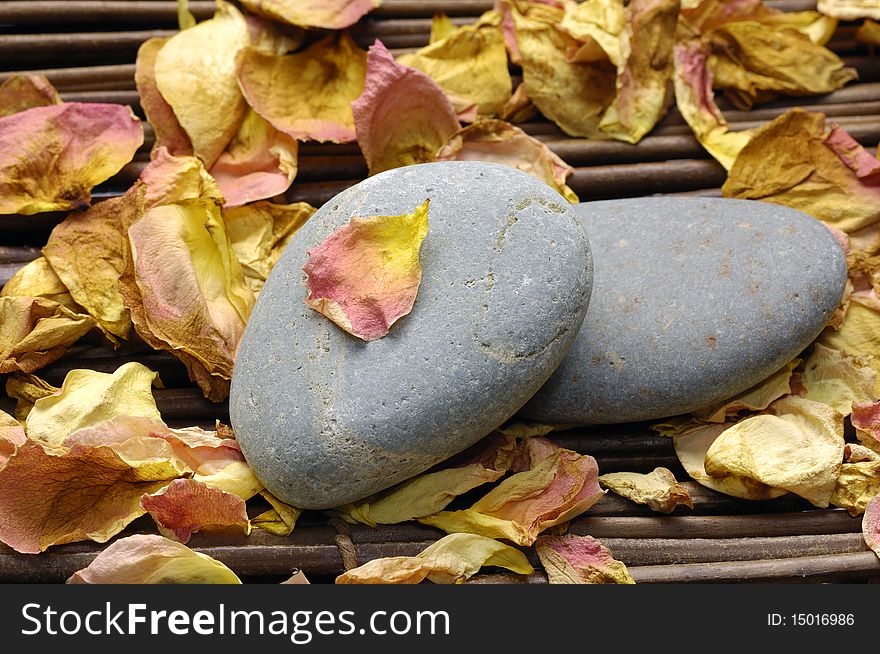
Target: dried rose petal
580,560
149,559
499,142
50,496
51,157
402,117
366,274
306,95
326,14
451,560
186,506
560,487
22,92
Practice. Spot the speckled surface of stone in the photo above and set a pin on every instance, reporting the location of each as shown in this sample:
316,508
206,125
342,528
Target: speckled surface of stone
694,300
325,418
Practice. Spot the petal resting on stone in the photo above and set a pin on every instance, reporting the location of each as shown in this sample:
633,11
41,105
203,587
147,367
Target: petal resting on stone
366,274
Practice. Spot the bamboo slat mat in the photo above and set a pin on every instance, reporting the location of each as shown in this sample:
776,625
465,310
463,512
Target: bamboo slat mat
87,49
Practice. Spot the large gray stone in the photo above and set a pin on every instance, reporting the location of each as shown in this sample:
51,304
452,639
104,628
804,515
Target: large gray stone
325,418
694,300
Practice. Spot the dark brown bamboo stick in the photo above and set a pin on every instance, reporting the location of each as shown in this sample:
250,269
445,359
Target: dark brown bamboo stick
76,12
188,404
41,12
260,555
36,47
844,567
83,78
127,97
853,566
55,46
661,551
747,526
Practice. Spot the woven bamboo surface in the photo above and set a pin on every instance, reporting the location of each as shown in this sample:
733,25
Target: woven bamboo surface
87,49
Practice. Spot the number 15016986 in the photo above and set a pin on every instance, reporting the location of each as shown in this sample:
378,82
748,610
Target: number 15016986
811,620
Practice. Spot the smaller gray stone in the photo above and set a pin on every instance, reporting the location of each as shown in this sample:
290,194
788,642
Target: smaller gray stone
324,418
694,300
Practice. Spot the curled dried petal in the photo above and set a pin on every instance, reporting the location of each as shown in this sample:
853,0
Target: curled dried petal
149,559
644,71
838,380
186,506
186,291
793,161
692,442
260,162
571,94
326,14
259,232
170,178
88,397
560,487
36,331
658,489
402,117
306,95
169,133
753,61
798,447
51,496
499,142
469,62
87,250
756,398
195,74
451,560
696,103
51,157
580,560
38,279
428,493
22,92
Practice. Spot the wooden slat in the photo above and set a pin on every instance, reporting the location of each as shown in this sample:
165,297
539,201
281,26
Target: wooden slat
746,526
51,12
649,560
83,78
836,567
853,566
